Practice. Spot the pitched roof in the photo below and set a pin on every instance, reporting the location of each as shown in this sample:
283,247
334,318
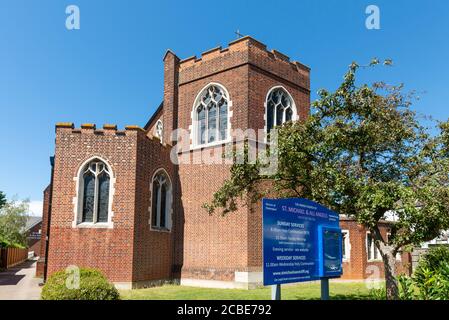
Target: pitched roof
154,115
32,221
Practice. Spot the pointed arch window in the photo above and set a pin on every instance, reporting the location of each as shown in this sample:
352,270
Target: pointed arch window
161,201
280,108
211,115
95,185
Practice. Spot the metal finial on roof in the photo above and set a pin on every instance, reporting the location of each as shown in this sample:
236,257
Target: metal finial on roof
239,35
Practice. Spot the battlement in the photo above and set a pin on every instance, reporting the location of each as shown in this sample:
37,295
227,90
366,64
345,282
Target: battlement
92,128
240,52
108,129
240,45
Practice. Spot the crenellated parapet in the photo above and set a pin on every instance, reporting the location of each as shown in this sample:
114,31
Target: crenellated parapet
106,130
245,50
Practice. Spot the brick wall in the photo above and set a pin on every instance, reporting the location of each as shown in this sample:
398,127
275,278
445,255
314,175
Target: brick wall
109,249
153,254
214,247
40,265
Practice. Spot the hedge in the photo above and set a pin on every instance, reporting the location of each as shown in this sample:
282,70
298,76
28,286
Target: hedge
93,285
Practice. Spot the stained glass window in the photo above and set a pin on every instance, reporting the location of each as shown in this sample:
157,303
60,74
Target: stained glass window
154,203
161,201
201,124
103,197
89,197
223,115
212,115
96,185
279,108
163,221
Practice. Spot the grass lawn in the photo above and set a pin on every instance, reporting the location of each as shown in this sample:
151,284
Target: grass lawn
303,291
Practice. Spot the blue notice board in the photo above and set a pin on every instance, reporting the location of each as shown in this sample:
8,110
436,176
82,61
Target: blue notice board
301,241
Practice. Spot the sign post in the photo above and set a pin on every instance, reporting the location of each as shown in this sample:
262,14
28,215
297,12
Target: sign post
325,289
276,292
301,242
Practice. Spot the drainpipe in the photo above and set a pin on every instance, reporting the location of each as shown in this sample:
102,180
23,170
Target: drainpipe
47,240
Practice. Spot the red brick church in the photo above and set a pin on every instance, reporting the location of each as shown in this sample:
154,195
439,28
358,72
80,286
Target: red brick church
118,202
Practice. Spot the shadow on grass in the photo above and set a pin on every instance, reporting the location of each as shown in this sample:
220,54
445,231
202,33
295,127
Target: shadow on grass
336,296
339,291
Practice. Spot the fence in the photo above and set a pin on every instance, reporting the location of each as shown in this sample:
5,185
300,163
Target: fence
9,257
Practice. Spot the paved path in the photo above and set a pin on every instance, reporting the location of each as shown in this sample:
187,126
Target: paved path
19,283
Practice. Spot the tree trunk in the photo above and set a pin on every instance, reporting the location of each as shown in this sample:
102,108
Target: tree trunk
388,254
391,283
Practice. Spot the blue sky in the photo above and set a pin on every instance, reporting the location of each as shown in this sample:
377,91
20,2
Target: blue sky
110,71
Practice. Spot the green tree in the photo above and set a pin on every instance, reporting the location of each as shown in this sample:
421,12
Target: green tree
362,152
13,218
2,199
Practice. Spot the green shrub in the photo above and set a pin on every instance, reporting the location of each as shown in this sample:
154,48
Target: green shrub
406,290
378,294
432,274
7,244
434,259
92,286
406,287
430,280
433,284
3,243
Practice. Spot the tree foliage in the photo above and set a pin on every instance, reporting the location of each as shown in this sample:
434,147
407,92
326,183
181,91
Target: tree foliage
362,152
13,218
2,199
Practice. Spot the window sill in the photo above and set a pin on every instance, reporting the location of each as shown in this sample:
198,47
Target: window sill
98,225
159,229
374,260
207,145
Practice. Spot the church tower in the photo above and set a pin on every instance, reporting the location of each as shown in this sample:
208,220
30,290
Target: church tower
241,87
